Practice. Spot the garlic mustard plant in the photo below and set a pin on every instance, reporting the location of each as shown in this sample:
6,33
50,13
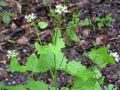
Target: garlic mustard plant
30,17
61,9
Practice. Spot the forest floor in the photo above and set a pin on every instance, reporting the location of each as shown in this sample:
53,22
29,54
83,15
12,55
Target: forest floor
19,35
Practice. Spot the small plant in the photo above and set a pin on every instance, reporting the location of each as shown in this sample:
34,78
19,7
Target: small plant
42,25
104,22
70,29
86,22
49,60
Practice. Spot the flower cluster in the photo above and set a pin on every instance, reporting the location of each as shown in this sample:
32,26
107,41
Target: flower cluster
61,9
12,53
30,17
115,55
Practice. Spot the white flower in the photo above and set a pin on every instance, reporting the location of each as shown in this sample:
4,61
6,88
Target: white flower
30,17
115,55
12,53
61,9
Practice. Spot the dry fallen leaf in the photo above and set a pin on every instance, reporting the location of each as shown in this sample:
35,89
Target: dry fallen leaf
3,73
16,5
22,41
86,32
13,26
101,40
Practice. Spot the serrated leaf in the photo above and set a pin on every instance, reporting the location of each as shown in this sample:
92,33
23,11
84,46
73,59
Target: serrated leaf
101,57
86,22
32,63
18,87
14,66
71,33
47,53
36,85
57,39
70,30
51,51
78,70
90,84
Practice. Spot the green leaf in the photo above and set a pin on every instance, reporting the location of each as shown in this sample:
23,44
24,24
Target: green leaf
101,57
47,53
64,88
72,35
18,87
3,3
53,88
21,87
42,25
32,63
57,39
51,51
110,87
90,84
6,17
100,24
78,70
72,25
14,66
86,22
36,85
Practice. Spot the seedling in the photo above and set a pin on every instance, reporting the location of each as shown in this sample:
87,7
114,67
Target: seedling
86,22
70,29
104,22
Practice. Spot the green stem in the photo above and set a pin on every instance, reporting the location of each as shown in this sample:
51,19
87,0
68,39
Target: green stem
53,73
39,37
55,79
